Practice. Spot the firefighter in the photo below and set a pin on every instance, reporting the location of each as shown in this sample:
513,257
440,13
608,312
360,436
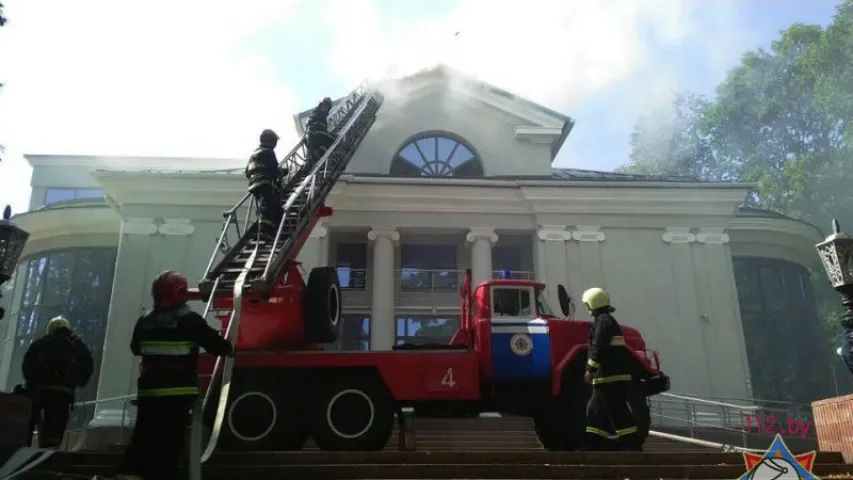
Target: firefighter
265,178
609,370
167,338
319,138
54,366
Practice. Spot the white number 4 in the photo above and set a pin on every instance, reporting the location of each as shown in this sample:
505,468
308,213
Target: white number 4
447,380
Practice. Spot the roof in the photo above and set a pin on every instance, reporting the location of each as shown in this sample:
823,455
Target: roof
744,211
443,71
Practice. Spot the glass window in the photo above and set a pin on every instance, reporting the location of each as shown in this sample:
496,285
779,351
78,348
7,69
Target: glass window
772,290
511,302
351,259
355,333
506,262
54,195
76,283
423,329
428,267
59,195
542,304
437,156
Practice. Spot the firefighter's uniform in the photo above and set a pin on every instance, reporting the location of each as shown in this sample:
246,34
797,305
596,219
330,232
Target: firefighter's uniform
610,365
53,367
264,177
167,338
318,136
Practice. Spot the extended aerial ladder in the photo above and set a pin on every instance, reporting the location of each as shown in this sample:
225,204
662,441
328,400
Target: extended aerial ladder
252,266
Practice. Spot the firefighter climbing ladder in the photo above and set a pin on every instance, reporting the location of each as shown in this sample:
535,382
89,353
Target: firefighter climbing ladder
252,265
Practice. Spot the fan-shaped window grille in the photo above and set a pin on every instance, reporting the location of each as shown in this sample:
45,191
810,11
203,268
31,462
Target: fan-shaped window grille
437,156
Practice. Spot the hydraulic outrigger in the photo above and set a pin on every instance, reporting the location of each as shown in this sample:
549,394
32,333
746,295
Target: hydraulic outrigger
252,267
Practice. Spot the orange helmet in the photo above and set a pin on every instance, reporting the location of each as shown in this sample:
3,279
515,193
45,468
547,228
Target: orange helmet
170,289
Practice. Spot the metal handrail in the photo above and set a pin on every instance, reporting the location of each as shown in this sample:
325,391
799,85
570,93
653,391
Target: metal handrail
710,402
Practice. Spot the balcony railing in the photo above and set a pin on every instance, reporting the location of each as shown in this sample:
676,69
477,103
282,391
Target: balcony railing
416,279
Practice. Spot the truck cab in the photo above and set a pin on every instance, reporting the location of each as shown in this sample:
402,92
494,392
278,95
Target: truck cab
531,360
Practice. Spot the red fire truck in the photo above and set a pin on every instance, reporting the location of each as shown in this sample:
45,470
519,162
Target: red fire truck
511,354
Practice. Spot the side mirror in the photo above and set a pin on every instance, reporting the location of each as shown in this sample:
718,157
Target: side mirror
565,300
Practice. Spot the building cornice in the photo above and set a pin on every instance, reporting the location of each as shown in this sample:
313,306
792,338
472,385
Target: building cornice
774,225
95,162
441,195
544,135
69,220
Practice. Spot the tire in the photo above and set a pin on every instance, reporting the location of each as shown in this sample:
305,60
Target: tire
560,426
262,417
352,413
323,307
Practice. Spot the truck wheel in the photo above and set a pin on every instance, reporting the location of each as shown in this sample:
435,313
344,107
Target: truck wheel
261,418
354,414
322,305
560,427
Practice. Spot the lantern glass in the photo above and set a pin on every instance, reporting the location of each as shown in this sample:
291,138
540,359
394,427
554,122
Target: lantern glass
12,241
836,254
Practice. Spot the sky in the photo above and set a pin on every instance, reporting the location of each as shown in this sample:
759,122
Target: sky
201,78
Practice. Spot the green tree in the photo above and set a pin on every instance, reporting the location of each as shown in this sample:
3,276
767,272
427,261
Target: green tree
780,120
2,17
669,141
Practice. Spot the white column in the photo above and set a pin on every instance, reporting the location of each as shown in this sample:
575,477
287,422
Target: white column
551,259
382,316
118,366
481,241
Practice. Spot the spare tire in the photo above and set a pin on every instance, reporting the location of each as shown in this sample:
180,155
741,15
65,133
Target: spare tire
322,305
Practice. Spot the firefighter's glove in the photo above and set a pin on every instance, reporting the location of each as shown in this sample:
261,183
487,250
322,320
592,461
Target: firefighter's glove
587,377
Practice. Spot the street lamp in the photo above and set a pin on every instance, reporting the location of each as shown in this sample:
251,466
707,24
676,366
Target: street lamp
836,254
12,241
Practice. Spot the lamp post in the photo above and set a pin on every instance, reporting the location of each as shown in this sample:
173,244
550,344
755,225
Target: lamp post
836,254
12,241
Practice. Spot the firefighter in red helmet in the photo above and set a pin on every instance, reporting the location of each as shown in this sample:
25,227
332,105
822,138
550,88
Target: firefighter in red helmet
319,138
167,338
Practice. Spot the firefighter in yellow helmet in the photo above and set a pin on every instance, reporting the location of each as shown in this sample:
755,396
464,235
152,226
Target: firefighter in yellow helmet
610,423
54,366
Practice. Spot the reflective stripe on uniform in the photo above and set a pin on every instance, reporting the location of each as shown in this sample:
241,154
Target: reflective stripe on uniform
617,341
611,379
167,392
592,363
166,348
597,431
626,431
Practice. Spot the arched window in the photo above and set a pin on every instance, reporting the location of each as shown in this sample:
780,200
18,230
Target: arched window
76,283
437,155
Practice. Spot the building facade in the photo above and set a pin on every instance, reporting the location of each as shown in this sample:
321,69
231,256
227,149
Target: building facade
454,174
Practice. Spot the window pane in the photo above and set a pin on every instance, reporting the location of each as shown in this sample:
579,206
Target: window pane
33,286
427,147
57,288
511,302
428,257
772,291
355,332
446,148
89,193
506,258
422,329
796,298
54,195
352,264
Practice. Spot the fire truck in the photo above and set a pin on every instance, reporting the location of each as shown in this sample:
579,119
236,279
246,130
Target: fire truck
512,353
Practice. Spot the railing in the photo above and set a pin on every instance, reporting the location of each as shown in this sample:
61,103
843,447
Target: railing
699,416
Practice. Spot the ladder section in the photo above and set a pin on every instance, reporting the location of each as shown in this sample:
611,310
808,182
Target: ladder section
305,190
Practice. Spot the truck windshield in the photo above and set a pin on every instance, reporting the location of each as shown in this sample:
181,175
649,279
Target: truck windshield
542,304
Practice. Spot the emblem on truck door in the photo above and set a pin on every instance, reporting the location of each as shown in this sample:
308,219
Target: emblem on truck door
521,344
